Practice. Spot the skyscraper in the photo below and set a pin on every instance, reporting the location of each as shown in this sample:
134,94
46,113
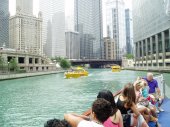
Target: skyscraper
88,22
26,6
4,23
26,29
116,28
72,45
129,31
151,23
53,13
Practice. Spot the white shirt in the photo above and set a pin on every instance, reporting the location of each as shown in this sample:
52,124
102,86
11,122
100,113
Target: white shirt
85,123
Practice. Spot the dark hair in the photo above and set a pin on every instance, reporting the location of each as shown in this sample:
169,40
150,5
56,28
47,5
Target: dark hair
107,95
102,109
57,123
129,93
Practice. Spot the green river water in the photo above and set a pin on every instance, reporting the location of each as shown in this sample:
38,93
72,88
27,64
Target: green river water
29,102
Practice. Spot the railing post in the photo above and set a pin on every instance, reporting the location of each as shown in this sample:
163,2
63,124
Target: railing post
164,90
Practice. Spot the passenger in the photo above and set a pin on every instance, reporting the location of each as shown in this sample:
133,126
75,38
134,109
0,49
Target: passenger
154,90
127,105
56,123
101,111
115,120
143,103
146,95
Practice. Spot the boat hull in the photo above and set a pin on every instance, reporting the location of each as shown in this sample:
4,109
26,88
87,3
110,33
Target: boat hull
75,75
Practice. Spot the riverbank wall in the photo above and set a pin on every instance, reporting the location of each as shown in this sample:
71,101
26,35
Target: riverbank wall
25,75
152,69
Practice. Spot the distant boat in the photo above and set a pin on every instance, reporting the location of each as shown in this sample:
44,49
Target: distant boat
116,68
76,73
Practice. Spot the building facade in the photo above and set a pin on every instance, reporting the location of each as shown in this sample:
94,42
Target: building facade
129,31
53,32
72,45
116,28
25,29
88,22
28,62
151,33
109,48
4,23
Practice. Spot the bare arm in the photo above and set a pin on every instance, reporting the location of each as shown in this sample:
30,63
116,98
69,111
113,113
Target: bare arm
82,116
134,109
73,120
87,113
158,91
120,119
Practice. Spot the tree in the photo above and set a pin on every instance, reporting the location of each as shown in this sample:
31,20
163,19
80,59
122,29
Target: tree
2,64
13,65
129,56
1,61
65,64
57,59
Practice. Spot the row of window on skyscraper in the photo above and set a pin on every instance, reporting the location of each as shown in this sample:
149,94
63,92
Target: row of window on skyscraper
47,33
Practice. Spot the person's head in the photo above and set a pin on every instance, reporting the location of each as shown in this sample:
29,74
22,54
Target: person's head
129,93
144,84
149,76
56,123
138,85
107,95
101,110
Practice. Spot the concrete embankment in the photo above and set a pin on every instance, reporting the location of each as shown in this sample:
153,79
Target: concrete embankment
153,69
24,75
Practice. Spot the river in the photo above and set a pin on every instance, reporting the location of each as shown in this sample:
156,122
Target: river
29,102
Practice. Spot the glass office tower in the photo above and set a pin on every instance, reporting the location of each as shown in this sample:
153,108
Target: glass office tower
88,22
4,23
151,23
53,13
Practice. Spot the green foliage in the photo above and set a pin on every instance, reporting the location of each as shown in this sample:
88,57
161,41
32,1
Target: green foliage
3,65
1,60
57,59
65,64
13,65
129,56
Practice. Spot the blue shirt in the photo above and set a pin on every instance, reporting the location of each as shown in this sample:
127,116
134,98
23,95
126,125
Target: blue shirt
152,85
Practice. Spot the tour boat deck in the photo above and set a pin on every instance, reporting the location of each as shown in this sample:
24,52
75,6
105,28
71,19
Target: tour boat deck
164,117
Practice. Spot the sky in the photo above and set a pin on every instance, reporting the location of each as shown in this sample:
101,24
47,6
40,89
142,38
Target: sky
68,3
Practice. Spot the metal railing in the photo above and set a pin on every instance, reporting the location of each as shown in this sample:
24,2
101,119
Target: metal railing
161,83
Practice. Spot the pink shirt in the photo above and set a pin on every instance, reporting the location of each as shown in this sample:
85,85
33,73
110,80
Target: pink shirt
109,123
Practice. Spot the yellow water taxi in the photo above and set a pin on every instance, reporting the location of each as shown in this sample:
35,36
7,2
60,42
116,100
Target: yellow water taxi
76,73
116,68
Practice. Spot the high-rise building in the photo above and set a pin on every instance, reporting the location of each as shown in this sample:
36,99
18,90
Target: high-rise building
72,45
109,48
4,23
88,22
53,13
151,23
26,6
129,31
25,30
116,28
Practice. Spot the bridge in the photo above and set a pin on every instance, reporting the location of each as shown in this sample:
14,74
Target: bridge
96,63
